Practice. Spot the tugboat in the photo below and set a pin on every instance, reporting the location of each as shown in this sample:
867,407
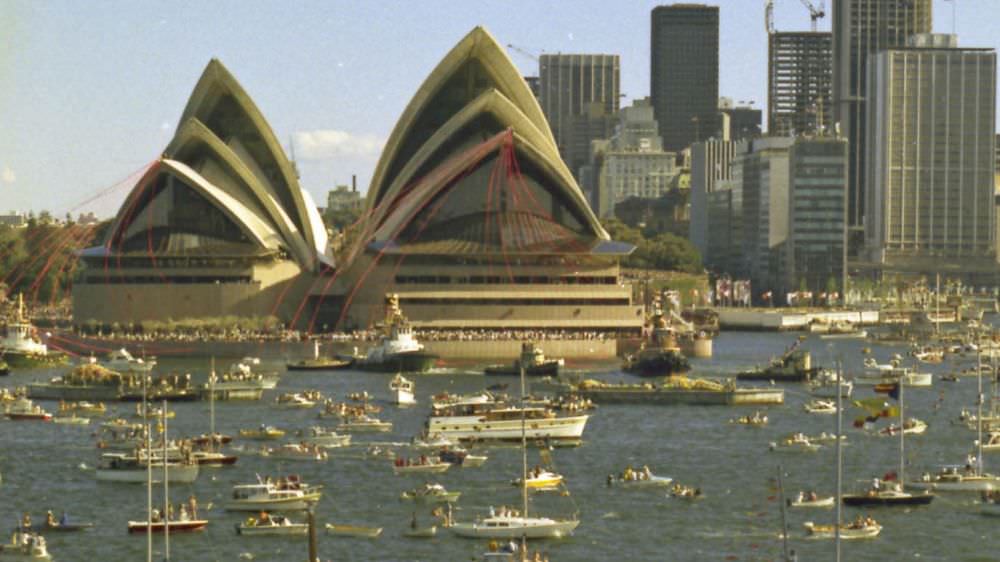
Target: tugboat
659,355
534,362
397,349
19,346
795,365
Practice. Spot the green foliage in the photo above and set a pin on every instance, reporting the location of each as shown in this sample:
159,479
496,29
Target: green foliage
39,261
663,251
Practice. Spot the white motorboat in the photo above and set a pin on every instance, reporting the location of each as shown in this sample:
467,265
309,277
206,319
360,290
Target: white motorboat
71,419
123,362
912,426
294,400
811,500
514,527
797,443
639,479
402,390
826,383
326,438
295,452
436,442
956,479
847,532
432,466
119,467
272,525
430,493
820,407
24,546
285,495
875,374
364,424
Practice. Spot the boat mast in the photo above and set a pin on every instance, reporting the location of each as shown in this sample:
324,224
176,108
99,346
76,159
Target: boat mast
902,431
784,520
979,414
937,305
166,490
524,472
840,458
211,405
149,474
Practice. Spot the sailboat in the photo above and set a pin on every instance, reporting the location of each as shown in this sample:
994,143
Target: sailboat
508,523
212,456
164,523
971,477
889,494
861,528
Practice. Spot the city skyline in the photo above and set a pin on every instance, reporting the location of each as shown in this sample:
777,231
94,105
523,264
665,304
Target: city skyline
95,92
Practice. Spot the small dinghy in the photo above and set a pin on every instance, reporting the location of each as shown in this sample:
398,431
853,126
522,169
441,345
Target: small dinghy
271,525
353,531
810,499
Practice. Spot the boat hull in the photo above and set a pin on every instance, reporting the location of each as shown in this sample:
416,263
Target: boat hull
136,527
301,503
639,395
546,369
353,531
175,475
293,529
421,468
544,529
314,365
20,360
554,429
96,393
405,362
865,499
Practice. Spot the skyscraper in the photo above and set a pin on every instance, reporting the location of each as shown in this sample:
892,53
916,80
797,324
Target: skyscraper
799,82
684,74
862,28
931,159
574,91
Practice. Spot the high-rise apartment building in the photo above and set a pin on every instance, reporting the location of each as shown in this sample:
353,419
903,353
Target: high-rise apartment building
570,85
931,156
799,82
862,28
684,73
763,168
817,208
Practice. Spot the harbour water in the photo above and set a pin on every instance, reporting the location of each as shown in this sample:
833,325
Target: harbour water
48,466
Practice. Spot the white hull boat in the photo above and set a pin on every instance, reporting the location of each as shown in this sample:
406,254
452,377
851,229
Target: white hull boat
428,468
274,525
402,390
322,437
846,532
353,531
117,467
270,497
514,527
818,502
650,482
482,428
24,546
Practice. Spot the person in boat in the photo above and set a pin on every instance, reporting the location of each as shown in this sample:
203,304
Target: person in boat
193,506
26,520
265,517
611,479
63,518
511,546
155,516
50,520
646,473
182,513
812,496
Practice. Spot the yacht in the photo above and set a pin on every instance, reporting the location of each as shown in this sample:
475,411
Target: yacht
119,467
509,526
876,373
288,494
123,362
402,391
494,421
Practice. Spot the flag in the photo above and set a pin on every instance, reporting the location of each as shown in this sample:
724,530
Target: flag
871,405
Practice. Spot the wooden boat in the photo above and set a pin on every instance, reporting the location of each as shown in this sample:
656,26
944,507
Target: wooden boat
264,433
63,526
174,526
213,458
272,525
847,532
353,531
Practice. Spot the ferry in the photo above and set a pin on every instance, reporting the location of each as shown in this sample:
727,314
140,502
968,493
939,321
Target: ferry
286,495
502,422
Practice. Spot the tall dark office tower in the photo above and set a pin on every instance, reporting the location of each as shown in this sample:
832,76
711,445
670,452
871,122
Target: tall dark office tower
578,93
684,75
799,82
862,28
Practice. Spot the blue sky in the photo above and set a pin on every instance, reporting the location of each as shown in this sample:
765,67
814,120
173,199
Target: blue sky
90,92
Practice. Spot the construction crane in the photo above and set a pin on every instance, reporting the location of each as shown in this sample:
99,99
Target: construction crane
522,52
769,16
815,14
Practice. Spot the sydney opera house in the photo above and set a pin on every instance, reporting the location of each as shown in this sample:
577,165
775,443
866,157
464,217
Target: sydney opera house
472,218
